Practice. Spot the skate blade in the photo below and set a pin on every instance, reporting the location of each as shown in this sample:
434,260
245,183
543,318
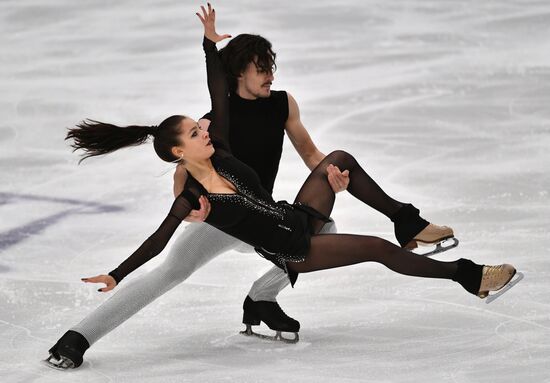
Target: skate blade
278,337
440,247
62,364
513,281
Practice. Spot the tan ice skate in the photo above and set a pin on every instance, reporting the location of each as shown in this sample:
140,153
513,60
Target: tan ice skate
434,235
494,278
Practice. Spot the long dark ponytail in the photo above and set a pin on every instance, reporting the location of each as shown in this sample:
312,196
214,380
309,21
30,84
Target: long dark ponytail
97,138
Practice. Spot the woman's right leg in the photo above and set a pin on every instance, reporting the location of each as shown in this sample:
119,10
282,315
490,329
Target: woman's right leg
328,251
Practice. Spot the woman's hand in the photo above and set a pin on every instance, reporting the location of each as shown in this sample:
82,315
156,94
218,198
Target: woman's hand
208,19
201,214
107,279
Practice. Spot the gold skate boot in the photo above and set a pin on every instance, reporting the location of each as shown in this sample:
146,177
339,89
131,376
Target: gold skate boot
431,235
494,278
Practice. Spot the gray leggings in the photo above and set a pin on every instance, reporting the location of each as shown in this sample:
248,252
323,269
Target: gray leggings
197,245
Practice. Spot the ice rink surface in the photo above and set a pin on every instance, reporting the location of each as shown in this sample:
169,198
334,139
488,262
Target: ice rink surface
445,103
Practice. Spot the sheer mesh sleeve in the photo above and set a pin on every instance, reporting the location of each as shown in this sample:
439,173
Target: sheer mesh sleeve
219,93
153,245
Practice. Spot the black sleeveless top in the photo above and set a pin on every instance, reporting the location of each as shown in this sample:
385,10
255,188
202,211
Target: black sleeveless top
279,231
256,133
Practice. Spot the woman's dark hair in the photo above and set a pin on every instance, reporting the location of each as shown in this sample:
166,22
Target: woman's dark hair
97,138
244,49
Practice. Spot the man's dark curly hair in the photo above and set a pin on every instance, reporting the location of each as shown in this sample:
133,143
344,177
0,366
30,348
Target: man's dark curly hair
244,49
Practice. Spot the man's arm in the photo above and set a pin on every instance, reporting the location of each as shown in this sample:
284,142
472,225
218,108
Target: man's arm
299,136
305,147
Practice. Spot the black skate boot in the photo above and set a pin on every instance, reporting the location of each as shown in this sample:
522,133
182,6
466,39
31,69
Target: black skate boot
411,230
273,316
68,352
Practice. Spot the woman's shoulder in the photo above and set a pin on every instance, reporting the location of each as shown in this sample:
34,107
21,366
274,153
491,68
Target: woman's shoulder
194,186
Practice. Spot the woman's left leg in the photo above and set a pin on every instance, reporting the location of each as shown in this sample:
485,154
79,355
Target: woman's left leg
317,192
409,226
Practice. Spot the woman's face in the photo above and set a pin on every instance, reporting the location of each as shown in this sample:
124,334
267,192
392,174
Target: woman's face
196,145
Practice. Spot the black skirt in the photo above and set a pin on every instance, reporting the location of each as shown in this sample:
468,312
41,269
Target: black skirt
300,240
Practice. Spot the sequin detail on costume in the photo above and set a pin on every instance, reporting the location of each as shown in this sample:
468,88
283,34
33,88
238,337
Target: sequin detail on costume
247,198
280,258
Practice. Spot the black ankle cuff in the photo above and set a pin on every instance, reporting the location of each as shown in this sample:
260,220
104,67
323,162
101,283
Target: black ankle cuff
71,345
468,274
407,223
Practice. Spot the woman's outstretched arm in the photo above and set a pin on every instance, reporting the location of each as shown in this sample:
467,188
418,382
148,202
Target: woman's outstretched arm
217,82
153,245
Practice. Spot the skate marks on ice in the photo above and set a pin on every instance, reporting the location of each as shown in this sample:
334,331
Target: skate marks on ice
21,233
427,250
280,336
257,344
515,280
28,366
55,374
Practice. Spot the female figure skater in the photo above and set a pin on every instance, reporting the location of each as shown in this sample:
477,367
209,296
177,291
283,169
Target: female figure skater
286,234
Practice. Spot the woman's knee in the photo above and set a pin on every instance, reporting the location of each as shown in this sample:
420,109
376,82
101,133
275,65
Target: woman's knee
379,247
342,159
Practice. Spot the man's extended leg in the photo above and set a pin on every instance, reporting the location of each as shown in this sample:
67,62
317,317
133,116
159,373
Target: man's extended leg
198,244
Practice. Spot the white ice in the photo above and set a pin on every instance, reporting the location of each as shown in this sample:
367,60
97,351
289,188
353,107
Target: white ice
446,103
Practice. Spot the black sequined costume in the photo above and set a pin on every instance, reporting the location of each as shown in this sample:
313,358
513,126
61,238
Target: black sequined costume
279,231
